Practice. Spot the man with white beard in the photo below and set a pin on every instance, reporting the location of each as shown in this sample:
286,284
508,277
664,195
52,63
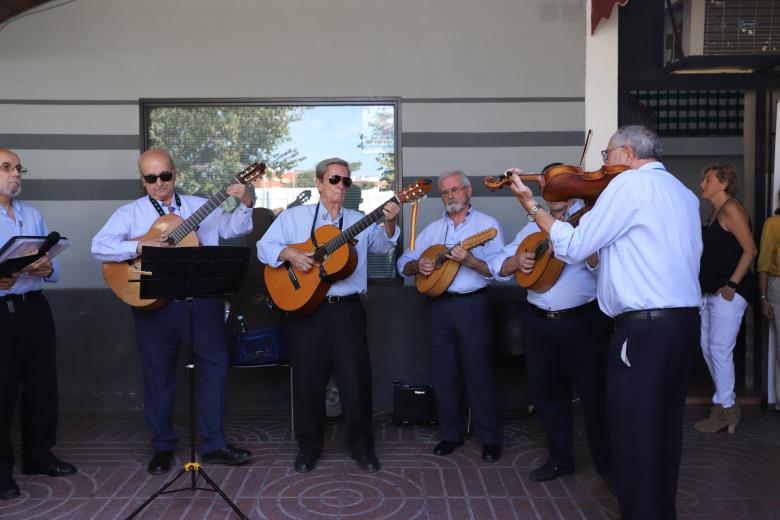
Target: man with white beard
459,319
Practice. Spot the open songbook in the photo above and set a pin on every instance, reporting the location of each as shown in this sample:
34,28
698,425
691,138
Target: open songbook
21,251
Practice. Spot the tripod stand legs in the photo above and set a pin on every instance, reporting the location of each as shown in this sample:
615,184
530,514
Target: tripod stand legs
197,471
193,465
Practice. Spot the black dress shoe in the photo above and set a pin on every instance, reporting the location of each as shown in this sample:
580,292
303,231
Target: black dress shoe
161,462
54,468
8,489
549,471
228,455
491,452
366,460
305,461
446,447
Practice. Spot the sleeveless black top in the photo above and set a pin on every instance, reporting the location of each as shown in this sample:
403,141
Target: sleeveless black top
719,258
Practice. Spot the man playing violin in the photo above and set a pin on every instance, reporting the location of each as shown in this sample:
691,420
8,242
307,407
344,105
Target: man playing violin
159,331
459,321
335,333
645,228
565,337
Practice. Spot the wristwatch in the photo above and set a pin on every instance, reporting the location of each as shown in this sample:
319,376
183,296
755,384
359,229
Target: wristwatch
732,284
532,212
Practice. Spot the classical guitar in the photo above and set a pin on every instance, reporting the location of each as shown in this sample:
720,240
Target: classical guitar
123,277
547,269
335,258
302,198
445,268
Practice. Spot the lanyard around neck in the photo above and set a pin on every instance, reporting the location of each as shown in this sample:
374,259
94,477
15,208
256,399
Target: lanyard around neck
158,207
314,223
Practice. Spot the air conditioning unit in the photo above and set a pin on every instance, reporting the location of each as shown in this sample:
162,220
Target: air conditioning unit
726,27
723,31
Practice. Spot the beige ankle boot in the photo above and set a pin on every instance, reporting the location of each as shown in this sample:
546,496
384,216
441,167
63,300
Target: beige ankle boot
719,419
733,414
715,422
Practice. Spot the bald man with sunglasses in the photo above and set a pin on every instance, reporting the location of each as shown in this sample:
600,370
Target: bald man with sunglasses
335,333
159,331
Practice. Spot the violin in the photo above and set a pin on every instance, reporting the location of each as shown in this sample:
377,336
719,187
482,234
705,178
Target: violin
564,181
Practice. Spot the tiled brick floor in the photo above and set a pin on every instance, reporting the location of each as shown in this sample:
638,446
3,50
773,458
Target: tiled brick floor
723,476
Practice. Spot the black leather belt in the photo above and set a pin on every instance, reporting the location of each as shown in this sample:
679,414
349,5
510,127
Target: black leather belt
339,299
461,295
563,313
21,297
10,301
654,314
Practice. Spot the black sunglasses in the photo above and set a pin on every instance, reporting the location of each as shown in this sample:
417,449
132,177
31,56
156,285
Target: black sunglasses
164,176
334,179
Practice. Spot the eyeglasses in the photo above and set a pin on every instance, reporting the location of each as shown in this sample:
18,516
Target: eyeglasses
605,153
8,168
152,178
334,179
452,191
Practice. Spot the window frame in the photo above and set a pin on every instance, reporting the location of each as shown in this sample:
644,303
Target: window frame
146,105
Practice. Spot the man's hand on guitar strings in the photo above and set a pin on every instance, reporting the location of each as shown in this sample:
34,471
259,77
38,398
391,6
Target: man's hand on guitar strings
300,260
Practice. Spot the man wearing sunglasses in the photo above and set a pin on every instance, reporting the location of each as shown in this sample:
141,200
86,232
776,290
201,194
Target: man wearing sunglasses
28,352
459,319
335,333
159,331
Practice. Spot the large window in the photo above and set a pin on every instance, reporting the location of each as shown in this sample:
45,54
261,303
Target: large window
210,141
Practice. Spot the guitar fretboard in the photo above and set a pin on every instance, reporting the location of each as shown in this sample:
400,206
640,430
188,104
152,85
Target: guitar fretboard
329,247
194,220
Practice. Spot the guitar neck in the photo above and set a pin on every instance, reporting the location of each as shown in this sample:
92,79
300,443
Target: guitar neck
194,220
329,247
466,244
574,219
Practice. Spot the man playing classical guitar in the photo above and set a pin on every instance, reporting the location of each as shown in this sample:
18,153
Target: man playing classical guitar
159,331
459,319
565,338
335,331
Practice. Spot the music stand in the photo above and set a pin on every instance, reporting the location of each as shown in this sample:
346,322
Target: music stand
187,273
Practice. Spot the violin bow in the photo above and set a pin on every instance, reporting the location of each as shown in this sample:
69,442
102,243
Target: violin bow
585,147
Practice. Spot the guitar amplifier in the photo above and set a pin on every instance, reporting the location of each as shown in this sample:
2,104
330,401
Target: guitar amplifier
413,404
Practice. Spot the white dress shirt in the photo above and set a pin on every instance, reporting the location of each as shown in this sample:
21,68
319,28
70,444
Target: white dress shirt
443,231
28,222
294,225
646,228
117,240
576,286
